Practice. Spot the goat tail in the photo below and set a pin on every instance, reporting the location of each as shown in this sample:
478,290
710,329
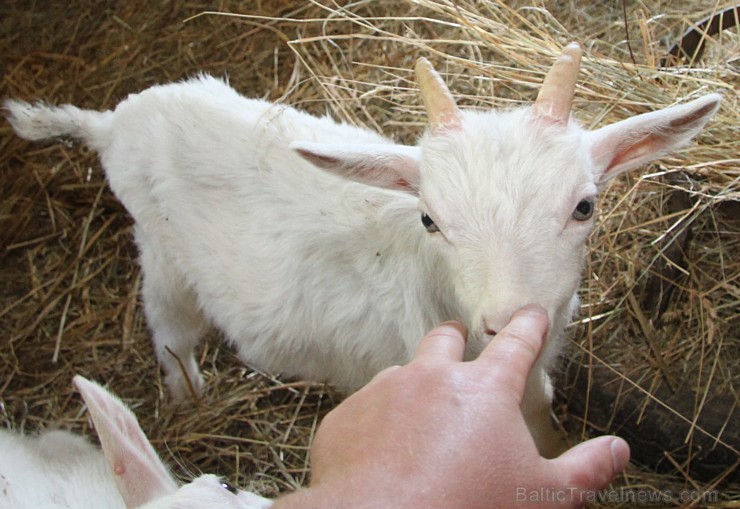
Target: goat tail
40,121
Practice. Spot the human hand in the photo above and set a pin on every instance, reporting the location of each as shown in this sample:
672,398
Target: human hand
442,433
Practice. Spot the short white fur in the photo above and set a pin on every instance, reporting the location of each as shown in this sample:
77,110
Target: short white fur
300,238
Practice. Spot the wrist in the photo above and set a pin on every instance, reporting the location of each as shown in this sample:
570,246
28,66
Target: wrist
343,493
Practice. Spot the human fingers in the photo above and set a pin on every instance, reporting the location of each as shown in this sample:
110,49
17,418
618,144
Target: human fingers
513,351
444,342
591,465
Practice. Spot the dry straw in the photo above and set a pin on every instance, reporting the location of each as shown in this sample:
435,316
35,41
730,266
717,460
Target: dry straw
69,283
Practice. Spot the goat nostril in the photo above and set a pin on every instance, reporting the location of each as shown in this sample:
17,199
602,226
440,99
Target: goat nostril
488,330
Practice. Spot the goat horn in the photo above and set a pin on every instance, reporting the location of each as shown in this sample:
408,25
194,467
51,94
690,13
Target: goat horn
556,95
440,105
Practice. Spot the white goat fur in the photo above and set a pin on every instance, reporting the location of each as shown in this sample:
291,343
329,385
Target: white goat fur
60,470
327,273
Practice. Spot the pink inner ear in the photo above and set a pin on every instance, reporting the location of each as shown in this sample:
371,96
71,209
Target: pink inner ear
381,165
688,120
627,152
638,140
403,184
139,473
320,160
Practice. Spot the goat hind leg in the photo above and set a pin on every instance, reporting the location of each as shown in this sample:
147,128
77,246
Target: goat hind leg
176,322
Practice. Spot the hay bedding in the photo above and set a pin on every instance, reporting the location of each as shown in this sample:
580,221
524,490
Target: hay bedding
69,281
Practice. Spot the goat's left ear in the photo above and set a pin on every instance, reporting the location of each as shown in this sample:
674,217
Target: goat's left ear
381,165
635,141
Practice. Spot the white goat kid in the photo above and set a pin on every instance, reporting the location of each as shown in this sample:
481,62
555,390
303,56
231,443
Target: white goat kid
61,470
300,238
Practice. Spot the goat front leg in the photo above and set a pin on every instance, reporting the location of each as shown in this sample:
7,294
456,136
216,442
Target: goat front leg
537,411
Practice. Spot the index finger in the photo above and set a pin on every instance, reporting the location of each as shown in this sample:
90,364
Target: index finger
444,342
515,349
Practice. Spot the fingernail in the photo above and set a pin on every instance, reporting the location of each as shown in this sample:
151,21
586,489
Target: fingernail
620,454
533,312
534,309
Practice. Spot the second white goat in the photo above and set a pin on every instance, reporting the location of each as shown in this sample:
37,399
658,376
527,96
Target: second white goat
60,470
325,251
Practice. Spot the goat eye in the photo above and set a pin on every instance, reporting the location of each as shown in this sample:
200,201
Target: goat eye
584,210
229,487
428,223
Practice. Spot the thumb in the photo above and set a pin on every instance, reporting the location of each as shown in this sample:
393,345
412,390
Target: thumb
591,465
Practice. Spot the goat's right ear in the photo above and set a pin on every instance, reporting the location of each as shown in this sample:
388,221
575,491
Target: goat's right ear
388,166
